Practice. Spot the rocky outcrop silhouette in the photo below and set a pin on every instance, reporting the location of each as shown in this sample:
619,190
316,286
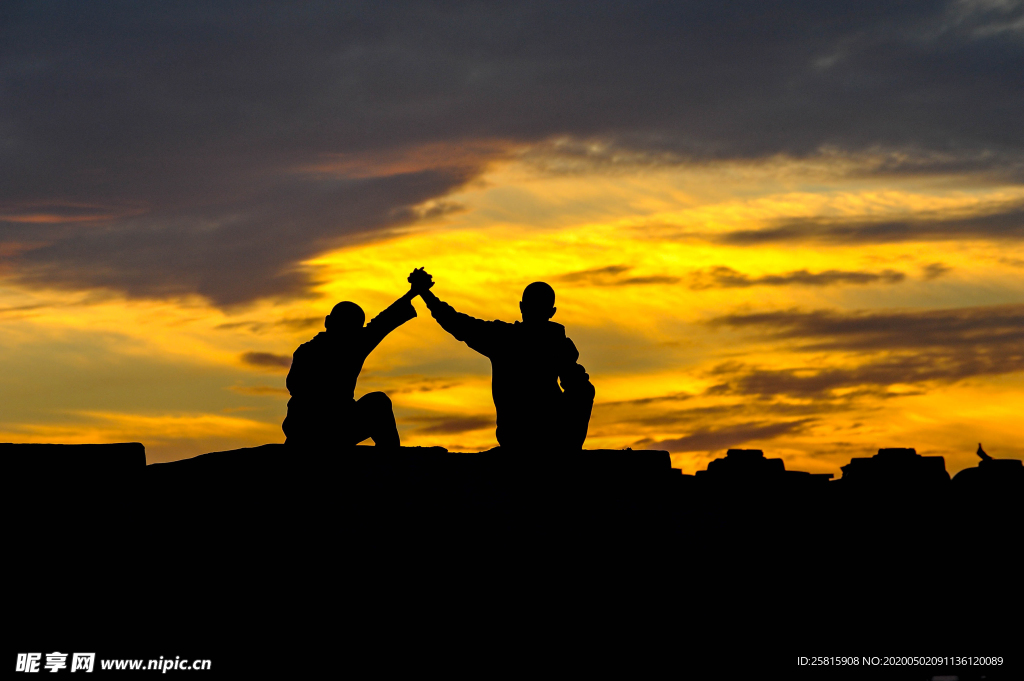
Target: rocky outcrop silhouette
252,555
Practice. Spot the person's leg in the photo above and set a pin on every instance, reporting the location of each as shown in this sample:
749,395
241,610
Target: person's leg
373,417
304,425
578,406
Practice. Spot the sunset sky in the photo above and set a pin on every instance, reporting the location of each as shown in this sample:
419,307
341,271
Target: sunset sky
793,226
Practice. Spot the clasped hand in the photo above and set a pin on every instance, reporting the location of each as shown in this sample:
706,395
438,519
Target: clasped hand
420,281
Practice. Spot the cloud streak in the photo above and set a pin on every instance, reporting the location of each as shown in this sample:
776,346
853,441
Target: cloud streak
610,276
730,436
726,277
1003,225
289,324
989,328
720,277
451,425
266,360
898,348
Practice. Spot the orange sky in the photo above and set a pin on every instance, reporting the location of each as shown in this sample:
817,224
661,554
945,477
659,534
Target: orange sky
695,340
794,226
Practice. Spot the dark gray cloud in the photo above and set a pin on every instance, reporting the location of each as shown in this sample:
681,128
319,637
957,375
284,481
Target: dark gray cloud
726,277
415,383
229,252
267,360
729,436
19,308
1007,223
164,149
936,270
899,347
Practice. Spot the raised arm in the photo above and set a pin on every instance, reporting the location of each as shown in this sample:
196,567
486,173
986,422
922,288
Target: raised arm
396,314
476,333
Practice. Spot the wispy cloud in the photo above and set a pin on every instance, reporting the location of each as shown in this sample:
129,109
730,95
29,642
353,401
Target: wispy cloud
896,347
1005,223
645,401
992,329
935,270
729,436
720,276
610,276
15,309
290,324
414,383
816,383
450,425
726,277
258,390
100,427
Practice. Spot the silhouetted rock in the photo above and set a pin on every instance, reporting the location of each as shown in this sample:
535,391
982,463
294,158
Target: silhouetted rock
67,460
750,467
251,547
744,464
996,477
896,469
632,463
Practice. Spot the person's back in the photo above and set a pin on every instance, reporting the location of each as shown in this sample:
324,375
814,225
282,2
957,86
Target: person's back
322,382
327,367
322,410
529,360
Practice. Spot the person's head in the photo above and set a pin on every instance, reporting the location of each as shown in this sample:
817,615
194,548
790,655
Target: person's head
345,317
538,302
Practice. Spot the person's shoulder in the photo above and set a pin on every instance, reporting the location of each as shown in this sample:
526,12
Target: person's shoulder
554,330
548,328
548,333
402,305
567,346
312,344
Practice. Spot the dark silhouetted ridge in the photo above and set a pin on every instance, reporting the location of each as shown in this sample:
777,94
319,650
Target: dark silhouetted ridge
253,554
90,460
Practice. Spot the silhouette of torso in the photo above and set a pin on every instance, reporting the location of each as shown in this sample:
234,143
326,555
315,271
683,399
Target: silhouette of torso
322,379
528,359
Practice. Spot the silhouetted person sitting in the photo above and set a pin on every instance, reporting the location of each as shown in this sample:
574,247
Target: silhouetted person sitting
528,359
322,411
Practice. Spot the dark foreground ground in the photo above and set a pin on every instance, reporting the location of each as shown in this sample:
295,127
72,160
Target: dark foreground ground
309,563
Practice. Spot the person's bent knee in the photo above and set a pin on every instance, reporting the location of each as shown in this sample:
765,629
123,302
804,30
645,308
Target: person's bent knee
376,399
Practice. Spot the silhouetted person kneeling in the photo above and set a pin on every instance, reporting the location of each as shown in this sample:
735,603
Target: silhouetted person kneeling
528,359
322,411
